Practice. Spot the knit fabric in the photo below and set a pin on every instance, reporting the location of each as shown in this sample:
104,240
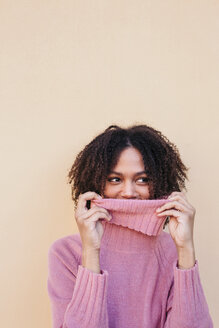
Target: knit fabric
140,284
138,215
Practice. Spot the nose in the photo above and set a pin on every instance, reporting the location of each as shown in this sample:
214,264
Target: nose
128,191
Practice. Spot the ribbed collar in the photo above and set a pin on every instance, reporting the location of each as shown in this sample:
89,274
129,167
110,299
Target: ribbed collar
134,225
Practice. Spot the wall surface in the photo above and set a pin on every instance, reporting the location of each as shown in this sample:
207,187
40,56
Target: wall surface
68,69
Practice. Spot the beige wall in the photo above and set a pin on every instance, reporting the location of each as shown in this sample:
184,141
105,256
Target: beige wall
68,69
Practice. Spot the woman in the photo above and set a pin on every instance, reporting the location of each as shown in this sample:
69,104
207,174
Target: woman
122,270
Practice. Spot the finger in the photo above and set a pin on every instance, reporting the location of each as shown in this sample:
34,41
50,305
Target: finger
172,205
97,216
181,200
178,193
82,200
174,213
94,210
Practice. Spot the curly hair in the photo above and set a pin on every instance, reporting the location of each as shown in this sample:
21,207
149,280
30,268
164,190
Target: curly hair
163,165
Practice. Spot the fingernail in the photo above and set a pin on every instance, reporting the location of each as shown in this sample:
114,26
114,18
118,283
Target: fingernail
158,209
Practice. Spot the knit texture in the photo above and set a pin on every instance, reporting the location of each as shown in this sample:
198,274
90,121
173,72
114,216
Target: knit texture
140,284
135,214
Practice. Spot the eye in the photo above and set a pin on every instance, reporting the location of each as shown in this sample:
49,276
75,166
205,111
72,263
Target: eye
113,179
143,180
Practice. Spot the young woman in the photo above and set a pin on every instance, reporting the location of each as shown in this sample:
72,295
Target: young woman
122,270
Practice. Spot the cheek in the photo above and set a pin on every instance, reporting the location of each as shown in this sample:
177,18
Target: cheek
110,190
147,193
144,192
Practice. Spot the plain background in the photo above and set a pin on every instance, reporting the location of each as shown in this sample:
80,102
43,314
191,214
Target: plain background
68,70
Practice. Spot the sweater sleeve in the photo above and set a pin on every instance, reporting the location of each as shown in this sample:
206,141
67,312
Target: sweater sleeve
186,305
78,299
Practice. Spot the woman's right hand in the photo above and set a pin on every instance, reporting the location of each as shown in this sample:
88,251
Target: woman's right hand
88,221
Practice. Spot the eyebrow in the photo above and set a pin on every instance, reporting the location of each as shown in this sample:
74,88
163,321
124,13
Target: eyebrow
138,173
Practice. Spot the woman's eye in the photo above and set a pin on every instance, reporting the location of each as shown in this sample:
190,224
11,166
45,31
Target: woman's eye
143,180
114,179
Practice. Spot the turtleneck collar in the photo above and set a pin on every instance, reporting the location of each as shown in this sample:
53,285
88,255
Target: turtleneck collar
134,225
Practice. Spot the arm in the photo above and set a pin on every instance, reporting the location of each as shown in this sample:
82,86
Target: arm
91,260
78,296
186,305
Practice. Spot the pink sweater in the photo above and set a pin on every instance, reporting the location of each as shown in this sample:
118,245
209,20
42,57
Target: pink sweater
140,285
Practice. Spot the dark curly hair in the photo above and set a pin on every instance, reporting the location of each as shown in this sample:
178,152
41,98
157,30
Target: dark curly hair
163,165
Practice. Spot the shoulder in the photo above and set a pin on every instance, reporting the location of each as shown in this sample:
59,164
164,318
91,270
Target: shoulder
66,251
69,243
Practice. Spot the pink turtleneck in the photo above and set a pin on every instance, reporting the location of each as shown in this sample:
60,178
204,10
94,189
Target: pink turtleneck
139,286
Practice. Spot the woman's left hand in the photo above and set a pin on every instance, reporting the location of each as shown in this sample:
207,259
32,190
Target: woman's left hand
182,215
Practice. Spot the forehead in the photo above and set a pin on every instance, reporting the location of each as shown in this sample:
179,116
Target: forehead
130,158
